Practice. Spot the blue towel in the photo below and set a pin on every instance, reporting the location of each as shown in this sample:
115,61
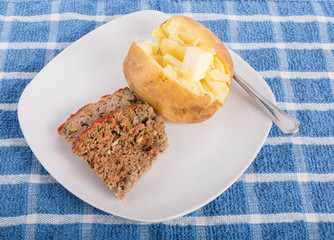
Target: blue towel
286,193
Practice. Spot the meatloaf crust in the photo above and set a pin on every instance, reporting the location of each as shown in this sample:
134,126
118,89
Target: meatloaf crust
86,115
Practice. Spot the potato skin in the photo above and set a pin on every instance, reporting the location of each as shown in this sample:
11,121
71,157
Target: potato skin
168,98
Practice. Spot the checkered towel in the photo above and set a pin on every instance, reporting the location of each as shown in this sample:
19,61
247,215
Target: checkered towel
288,191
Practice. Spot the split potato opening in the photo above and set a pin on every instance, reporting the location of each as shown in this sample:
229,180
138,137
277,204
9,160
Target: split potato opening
185,74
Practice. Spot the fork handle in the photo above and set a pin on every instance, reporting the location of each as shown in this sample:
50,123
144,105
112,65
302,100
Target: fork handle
285,122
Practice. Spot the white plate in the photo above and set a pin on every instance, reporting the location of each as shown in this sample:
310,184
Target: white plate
203,159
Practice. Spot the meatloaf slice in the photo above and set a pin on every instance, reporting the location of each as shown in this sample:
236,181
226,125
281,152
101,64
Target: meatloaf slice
121,146
85,116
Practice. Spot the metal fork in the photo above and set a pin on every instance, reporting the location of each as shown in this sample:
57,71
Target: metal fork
285,122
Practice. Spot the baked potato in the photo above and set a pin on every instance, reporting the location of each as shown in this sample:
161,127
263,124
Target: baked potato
185,76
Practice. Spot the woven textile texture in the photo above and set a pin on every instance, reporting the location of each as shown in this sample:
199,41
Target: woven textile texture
286,193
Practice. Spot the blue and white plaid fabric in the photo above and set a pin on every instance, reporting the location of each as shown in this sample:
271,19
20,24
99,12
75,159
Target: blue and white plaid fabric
288,191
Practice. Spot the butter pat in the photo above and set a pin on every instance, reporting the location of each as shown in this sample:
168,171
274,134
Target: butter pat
198,60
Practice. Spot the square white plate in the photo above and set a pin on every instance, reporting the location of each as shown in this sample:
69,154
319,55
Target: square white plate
203,159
